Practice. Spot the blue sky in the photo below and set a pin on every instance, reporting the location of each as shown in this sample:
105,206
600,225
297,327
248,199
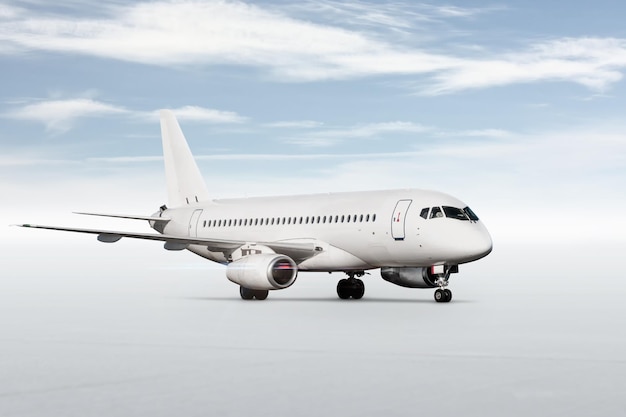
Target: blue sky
515,107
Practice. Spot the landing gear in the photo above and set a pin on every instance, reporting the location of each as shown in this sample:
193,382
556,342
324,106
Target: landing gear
442,294
249,294
351,287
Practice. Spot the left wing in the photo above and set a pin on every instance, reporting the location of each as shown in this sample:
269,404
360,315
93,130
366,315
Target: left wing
298,251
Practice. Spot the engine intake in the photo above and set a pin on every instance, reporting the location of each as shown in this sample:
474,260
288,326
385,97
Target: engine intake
267,271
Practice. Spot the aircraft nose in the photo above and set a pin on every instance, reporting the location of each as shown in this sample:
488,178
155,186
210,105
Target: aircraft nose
476,244
483,244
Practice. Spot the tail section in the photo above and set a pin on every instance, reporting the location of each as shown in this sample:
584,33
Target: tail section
185,184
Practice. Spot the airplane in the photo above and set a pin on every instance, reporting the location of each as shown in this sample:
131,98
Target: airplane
417,238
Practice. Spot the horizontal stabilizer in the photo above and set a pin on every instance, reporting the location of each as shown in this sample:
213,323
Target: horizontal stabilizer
125,216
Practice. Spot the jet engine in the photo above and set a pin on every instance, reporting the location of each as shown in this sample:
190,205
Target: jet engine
266,271
410,277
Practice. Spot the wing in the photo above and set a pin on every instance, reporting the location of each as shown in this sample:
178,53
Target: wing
298,251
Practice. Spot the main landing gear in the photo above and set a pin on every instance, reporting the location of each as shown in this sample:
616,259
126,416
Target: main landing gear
249,294
351,287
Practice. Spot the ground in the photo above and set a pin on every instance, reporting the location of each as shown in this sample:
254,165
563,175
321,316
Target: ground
92,329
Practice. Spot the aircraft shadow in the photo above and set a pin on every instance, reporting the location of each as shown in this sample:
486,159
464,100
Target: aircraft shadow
330,300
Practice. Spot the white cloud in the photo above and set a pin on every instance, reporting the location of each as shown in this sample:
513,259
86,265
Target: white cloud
304,124
10,12
60,115
331,137
203,114
592,62
235,33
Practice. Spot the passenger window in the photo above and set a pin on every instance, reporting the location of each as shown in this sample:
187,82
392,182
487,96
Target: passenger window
424,212
436,212
373,217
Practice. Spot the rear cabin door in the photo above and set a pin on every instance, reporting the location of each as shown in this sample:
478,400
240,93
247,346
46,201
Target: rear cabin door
193,223
397,220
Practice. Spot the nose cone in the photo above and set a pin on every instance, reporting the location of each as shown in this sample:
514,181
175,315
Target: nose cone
483,244
474,244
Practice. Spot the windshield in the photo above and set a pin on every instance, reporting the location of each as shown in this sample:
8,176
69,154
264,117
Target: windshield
472,216
455,213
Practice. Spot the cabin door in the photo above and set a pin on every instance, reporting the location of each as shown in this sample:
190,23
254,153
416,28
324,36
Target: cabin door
193,223
398,218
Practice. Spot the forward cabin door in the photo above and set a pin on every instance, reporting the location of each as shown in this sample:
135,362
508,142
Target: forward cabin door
193,223
398,218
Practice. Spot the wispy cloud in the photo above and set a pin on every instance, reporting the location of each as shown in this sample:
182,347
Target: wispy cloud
329,137
303,124
203,114
392,15
212,33
60,115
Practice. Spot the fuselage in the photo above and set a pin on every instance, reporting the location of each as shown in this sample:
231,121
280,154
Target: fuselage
353,230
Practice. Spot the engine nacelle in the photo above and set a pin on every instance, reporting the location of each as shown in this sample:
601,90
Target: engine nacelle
265,271
410,277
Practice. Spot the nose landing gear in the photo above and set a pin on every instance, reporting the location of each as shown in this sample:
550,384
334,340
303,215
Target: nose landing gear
351,287
442,294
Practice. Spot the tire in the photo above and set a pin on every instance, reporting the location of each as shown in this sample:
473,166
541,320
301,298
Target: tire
440,296
343,291
358,290
246,293
261,294
448,295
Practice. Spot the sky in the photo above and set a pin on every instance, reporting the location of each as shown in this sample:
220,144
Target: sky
514,107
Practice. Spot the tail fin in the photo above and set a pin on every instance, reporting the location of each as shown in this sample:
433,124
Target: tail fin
185,184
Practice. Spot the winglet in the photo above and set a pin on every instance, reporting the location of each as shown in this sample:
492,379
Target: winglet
185,184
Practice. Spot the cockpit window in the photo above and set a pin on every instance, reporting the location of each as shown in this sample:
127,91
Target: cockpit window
436,212
424,212
455,213
472,216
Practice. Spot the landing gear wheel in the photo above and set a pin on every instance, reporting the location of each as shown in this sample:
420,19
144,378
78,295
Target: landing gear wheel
358,289
246,293
261,294
351,287
343,290
443,295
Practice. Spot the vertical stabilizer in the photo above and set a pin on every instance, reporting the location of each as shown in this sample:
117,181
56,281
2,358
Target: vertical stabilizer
185,184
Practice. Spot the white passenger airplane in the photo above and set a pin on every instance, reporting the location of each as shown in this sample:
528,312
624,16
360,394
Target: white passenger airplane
417,238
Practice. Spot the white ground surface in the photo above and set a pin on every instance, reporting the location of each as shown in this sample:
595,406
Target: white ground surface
88,329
